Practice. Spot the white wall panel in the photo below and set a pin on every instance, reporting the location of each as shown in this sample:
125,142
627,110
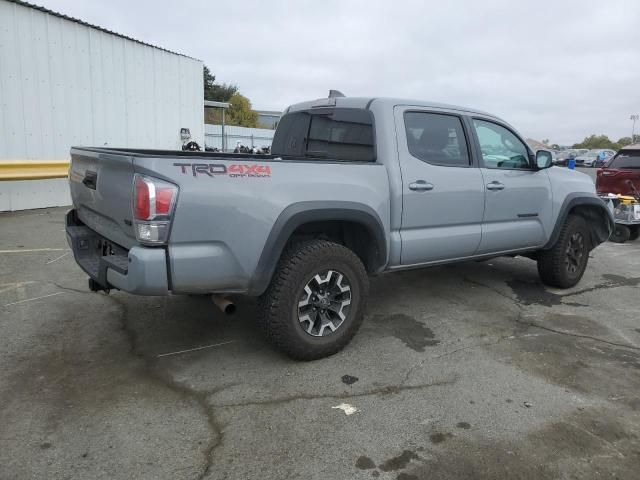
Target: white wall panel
63,83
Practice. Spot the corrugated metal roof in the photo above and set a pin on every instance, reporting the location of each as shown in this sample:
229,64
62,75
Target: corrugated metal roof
211,103
81,22
273,113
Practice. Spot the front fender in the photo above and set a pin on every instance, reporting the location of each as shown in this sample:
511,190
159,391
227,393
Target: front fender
600,218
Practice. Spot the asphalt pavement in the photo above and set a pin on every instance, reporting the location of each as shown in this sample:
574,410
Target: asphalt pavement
473,370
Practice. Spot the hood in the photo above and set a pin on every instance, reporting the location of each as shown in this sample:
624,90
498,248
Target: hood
565,180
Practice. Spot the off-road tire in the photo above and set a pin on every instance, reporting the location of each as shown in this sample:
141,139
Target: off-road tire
635,232
553,265
278,305
620,234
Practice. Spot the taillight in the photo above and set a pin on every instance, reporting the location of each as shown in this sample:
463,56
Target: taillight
153,204
141,202
164,199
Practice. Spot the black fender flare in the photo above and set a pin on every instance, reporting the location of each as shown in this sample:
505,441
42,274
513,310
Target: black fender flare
298,214
576,199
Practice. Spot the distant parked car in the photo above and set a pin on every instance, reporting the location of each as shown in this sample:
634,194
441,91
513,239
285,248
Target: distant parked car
558,158
562,157
587,159
621,174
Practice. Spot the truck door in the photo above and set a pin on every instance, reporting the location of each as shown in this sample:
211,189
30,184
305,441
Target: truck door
518,203
443,191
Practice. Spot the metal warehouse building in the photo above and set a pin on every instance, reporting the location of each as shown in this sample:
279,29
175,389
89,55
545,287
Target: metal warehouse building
64,82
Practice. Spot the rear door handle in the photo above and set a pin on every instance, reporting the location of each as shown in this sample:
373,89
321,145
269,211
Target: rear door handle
495,186
421,186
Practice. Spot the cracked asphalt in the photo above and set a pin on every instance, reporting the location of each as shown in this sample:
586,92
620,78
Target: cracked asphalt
467,371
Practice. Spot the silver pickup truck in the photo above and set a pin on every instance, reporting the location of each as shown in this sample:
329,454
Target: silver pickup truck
353,187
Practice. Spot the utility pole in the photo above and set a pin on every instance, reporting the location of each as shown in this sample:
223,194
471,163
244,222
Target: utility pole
633,118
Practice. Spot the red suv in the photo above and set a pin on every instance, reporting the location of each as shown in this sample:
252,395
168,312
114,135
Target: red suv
622,173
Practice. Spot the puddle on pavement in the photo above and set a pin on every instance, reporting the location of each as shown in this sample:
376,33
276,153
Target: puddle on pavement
564,448
535,293
584,365
411,332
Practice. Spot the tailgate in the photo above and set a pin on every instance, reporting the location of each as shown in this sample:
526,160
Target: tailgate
101,187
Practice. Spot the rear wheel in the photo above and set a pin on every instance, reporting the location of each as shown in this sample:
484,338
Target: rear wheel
314,304
635,232
620,234
564,264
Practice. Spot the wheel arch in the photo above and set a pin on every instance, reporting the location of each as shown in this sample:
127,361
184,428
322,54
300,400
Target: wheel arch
295,218
598,217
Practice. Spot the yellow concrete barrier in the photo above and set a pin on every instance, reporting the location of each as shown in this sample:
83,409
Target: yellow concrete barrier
33,169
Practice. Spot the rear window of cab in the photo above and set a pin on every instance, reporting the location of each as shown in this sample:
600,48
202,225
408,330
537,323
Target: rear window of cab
341,134
626,159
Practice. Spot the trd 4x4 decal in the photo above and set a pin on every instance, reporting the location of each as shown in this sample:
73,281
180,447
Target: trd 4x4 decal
235,170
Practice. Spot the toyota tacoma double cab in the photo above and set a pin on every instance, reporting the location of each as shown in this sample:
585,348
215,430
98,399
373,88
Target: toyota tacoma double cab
353,187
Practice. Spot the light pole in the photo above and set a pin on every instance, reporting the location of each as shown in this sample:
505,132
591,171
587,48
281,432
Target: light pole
633,118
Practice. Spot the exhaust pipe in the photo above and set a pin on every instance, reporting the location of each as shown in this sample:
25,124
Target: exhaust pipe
224,304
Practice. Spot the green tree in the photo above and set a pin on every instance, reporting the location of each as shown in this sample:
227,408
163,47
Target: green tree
595,142
240,112
627,140
218,92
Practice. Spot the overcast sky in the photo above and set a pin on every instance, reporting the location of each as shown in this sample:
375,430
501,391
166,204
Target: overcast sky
554,69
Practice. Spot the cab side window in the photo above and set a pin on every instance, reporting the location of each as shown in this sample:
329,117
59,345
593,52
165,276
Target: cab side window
436,138
501,148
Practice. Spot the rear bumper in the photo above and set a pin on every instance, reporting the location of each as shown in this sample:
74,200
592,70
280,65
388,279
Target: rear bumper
140,270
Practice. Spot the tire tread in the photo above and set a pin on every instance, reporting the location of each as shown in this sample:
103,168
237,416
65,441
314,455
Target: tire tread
280,295
551,262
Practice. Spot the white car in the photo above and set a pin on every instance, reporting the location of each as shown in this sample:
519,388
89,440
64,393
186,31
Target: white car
588,159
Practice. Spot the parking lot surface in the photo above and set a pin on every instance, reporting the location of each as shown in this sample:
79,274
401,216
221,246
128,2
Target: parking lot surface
467,371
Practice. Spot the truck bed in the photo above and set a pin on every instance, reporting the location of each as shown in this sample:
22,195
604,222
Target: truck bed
135,152
228,205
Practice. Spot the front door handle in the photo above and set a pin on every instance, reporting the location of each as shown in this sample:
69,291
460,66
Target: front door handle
495,186
421,186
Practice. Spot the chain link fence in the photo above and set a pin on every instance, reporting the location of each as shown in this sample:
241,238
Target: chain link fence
249,137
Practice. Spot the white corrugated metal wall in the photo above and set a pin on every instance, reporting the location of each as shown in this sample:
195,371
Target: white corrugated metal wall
63,83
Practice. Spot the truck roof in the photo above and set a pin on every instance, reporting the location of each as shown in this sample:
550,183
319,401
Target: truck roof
634,146
365,102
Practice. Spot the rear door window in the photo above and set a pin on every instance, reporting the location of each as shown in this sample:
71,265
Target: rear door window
626,160
343,134
436,138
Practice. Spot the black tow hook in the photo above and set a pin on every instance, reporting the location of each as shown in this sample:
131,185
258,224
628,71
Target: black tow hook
96,287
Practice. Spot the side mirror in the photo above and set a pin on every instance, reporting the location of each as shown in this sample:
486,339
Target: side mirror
544,159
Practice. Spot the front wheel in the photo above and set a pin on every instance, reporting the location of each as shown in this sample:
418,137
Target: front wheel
620,234
564,264
314,304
